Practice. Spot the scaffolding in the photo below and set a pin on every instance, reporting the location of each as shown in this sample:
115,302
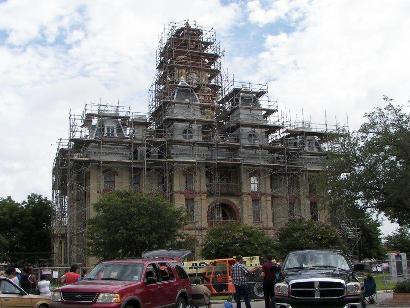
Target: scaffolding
217,147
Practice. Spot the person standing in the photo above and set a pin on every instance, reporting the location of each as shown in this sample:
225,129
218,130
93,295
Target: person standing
71,276
43,286
83,273
11,274
28,281
269,270
239,279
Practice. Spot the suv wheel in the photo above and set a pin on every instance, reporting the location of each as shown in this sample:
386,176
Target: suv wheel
181,303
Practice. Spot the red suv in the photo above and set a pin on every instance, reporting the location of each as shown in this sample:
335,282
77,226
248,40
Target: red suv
134,283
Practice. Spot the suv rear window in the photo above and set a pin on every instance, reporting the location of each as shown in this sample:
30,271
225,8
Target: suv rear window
181,272
116,271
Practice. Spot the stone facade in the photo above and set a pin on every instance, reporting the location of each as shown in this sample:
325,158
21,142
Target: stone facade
213,148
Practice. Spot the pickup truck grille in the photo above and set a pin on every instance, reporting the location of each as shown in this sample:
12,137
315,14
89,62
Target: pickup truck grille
317,289
79,296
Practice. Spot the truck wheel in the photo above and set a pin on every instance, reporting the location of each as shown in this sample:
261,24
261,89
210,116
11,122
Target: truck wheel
256,290
181,303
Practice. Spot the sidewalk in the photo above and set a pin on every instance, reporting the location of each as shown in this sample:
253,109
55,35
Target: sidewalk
385,298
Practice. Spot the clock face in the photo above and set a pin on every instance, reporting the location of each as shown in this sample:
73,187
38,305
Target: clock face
192,79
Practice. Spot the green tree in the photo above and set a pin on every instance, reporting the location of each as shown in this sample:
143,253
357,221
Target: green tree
399,241
370,169
367,172
25,229
302,234
127,224
383,164
10,228
370,244
36,219
232,239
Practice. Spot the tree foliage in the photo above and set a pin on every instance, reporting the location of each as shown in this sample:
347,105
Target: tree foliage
370,244
370,169
368,173
127,224
233,239
25,229
302,234
383,163
399,241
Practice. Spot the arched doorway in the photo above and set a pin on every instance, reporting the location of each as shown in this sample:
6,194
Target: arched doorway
222,211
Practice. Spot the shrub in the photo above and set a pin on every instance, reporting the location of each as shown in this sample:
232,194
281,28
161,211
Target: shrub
402,287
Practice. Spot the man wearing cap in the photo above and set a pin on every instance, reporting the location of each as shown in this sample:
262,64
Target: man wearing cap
239,279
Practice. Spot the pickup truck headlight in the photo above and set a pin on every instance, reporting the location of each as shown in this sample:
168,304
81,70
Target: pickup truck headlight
108,298
281,289
56,296
353,288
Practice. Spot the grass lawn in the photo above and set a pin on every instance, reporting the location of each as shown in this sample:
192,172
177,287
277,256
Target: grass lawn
220,297
383,282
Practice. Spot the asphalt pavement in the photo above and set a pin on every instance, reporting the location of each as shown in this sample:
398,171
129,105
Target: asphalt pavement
381,298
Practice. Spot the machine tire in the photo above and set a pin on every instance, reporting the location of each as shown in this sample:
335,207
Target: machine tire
181,303
256,290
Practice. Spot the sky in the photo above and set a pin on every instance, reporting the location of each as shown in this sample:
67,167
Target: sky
324,61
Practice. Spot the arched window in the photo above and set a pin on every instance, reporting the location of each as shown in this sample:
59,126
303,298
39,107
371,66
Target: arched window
110,131
256,210
136,182
252,138
187,134
189,180
255,185
314,211
109,181
190,209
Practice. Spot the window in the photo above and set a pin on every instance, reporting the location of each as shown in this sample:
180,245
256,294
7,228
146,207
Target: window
254,183
291,211
252,138
151,273
181,272
187,134
165,272
256,211
136,183
117,271
161,183
7,287
110,131
189,181
190,209
109,181
314,213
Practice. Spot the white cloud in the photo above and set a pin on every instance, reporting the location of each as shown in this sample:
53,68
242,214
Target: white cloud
343,56
276,10
62,54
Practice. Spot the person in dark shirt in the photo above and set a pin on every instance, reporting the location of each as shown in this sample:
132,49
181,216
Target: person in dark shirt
269,272
28,281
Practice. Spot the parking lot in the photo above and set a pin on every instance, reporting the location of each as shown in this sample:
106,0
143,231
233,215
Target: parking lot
381,299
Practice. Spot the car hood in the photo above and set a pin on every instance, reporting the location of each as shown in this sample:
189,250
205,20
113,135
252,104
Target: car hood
38,297
99,286
311,274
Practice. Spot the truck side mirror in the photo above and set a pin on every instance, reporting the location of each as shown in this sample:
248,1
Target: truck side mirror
358,267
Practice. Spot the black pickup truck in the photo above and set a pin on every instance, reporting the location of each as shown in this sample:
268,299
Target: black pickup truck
319,278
